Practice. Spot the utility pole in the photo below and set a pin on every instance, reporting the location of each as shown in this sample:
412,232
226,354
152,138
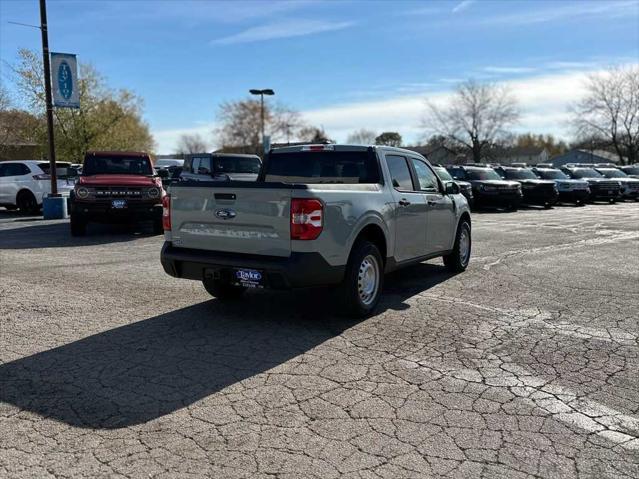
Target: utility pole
47,93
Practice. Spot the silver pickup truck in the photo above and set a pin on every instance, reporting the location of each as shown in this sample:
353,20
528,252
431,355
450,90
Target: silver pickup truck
318,215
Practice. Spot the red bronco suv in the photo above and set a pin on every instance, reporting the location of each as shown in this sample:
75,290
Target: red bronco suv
116,186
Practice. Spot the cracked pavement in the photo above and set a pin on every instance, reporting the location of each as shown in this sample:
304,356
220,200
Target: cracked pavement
526,365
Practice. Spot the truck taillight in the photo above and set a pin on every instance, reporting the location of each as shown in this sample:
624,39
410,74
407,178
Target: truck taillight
307,218
166,213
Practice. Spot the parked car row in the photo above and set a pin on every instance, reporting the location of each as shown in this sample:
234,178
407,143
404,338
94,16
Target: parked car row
543,185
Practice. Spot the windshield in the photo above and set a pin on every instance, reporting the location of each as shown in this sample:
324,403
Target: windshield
443,174
552,175
520,175
586,173
116,165
480,174
323,167
237,164
631,170
613,173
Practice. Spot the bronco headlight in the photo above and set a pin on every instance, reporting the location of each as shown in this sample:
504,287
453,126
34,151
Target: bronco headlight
82,192
153,192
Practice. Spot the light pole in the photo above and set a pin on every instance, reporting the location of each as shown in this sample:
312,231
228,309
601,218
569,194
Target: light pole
47,95
261,93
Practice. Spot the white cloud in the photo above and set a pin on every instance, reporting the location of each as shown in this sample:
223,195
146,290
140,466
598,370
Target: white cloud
608,9
460,7
544,100
282,29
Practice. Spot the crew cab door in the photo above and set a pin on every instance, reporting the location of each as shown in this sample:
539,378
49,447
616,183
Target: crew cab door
441,210
410,210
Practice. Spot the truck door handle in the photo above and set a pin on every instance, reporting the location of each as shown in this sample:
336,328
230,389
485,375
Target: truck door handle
431,203
404,202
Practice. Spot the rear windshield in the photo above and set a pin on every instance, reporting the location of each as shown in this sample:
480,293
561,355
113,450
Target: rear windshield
117,165
60,168
631,170
481,174
552,175
236,164
346,167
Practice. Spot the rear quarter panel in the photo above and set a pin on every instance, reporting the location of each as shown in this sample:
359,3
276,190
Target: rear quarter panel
347,210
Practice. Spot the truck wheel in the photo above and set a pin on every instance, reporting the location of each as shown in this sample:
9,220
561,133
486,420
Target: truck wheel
78,225
457,261
222,291
363,281
27,203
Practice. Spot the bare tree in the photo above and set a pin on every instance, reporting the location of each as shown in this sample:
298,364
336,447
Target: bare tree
191,144
476,117
5,100
313,134
362,137
610,110
241,124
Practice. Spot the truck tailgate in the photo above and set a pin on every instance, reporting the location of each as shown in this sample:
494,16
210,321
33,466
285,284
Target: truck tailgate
251,220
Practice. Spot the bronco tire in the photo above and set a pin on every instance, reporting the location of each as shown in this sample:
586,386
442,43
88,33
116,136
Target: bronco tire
363,280
222,291
457,261
78,225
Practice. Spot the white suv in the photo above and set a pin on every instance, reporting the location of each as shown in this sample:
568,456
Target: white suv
23,184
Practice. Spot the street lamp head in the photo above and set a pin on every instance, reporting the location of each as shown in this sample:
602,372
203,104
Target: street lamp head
266,91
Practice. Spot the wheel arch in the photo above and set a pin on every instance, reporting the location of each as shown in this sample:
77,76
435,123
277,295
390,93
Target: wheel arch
375,234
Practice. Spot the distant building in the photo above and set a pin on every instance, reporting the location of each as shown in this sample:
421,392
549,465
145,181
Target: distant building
439,155
20,151
584,156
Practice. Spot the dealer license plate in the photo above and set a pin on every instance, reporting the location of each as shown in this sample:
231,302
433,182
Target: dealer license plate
249,278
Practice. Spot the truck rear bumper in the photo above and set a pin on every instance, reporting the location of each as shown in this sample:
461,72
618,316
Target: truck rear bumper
299,270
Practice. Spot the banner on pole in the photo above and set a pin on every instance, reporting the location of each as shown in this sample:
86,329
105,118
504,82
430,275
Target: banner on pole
64,73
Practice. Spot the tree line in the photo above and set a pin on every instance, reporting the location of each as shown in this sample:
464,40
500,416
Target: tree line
477,119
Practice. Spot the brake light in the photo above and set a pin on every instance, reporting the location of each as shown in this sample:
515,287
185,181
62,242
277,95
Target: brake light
318,148
166,213
41,177
306,218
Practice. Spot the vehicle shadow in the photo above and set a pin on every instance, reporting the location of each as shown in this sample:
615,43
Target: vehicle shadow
141,371
58,235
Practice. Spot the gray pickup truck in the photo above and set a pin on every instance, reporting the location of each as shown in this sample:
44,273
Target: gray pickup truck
318,215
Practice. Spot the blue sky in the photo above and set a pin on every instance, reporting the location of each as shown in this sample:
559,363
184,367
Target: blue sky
343,64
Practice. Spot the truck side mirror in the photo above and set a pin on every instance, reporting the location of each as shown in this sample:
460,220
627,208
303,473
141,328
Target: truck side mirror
72,172
164,174
452,188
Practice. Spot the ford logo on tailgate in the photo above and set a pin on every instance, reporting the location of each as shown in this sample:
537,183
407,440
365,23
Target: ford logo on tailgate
225,214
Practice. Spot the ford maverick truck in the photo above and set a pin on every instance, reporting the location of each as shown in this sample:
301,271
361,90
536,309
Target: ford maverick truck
318,215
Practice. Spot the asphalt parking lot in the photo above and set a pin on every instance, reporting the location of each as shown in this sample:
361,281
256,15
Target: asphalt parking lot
526,365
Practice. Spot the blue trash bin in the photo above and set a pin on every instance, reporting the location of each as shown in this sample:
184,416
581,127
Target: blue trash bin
54,208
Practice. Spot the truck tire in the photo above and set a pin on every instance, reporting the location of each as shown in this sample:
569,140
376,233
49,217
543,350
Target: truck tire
363,281
27,203
457,261
78,225
222,291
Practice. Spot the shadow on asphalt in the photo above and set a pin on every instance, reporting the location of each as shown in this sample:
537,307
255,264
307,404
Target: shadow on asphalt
139,372
58,235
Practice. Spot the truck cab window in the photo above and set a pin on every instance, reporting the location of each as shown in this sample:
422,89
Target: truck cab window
399,172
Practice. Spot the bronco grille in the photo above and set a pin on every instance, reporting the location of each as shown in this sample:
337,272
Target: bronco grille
118,192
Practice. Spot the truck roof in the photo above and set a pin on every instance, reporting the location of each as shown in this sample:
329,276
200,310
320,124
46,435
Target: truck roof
334,147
